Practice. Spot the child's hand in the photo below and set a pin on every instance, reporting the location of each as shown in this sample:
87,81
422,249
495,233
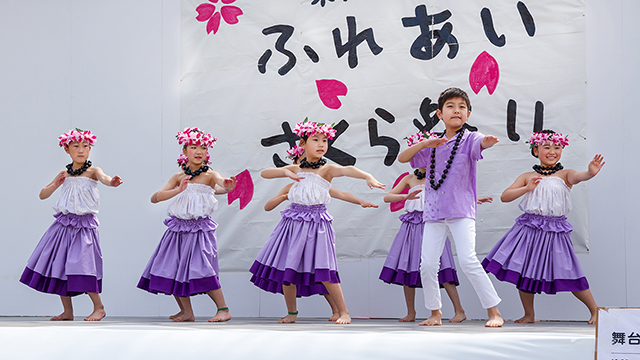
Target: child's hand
230,183
183,183
413,195
434,143
116,181
291,175
60,178
372,182
488,141
485,199
533,182
595,165
368,205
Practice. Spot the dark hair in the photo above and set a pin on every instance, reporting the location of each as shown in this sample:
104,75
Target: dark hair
550,132
451,93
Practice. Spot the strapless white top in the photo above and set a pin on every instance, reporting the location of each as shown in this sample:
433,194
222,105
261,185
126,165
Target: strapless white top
416,204
195,202
550,198
78,195
312,190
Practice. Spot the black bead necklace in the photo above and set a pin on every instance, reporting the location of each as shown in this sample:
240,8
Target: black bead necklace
432,176
187,170
314,165
420,175
70,171
547,170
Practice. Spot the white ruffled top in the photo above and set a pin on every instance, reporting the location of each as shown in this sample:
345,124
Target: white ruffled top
78,195
312,190
550,198
195,202
415,204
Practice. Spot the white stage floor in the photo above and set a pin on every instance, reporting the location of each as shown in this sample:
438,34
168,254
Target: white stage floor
263,338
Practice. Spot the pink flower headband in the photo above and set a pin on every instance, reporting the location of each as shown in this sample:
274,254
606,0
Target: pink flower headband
76,135
195,136
183,160
308,128
419,136
539,138
295,152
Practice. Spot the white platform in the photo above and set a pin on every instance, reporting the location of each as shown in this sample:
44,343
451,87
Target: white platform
264,338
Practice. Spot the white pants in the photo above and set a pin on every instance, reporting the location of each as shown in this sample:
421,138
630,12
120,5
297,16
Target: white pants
463,231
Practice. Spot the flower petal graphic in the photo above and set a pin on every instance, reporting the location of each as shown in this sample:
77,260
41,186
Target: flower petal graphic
228,1
484,71
205,11
230,14
214,23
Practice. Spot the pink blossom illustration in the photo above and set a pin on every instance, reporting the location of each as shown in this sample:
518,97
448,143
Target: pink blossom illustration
208,12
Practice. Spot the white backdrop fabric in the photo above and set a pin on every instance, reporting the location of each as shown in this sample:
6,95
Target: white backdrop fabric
535,57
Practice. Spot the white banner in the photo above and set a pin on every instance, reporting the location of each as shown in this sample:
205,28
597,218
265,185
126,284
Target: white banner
252,69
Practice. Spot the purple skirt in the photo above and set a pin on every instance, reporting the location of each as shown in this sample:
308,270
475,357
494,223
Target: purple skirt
67,261
185,262
537,255
402,265
300,251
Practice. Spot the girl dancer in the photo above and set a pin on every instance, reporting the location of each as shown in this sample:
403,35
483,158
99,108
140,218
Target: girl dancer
402,265
537,253
295,154
68,261
185,263
299,257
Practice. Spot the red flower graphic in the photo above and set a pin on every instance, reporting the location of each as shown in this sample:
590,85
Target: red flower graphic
207,12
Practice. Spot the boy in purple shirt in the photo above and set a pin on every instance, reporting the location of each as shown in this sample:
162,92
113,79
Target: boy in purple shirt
450,202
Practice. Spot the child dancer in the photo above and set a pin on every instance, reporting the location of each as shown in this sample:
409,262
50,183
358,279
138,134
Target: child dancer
450,202
537,253
68,261
185,263
295,154
299,257
402,265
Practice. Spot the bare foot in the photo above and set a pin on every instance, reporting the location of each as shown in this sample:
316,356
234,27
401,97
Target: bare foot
593,319
458,318
411,317
526,319
221,316
335,316
185,318
495,319
62,317
96,315
289,319
433,320
177,315
344,319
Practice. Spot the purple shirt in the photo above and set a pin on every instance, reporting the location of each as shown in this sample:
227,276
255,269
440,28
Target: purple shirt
456,197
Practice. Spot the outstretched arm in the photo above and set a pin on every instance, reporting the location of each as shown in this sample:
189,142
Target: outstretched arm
521,186
395,194
282,196
106,179
272,173
488,141
173,188
407,154
354,172
222,185
349,197
485,199
574,177
52,186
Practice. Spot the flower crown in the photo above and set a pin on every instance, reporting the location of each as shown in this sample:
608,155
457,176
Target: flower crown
419,136
76,135
295,152
309,128
195,136
184,160
539,138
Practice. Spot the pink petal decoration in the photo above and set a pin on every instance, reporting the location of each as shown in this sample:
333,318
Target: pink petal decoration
214,1
484,71
398,205
205,11
329,90
228,1
230,14
213,24
243,190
